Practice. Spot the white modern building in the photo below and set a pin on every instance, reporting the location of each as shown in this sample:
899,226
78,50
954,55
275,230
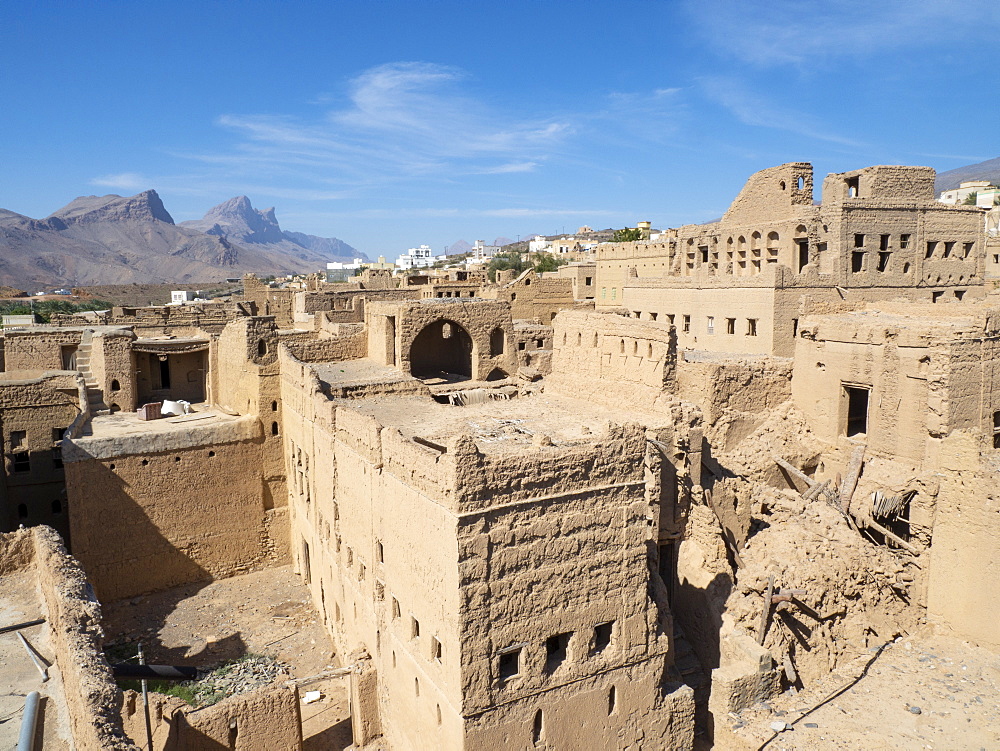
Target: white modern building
416,258
986,194
338,271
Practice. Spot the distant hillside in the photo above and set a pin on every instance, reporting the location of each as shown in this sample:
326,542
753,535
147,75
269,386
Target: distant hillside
457,248
120,240
988,170
238,221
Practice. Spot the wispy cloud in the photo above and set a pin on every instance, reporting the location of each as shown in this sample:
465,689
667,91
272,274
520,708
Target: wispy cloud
445,213
752,109
766,33
122,181
399,120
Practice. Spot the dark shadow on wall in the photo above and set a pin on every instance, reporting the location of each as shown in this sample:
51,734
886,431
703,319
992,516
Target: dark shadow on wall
122,550
441,346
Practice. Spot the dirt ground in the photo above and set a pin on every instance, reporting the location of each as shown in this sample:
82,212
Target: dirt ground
922,692
20,601
267,613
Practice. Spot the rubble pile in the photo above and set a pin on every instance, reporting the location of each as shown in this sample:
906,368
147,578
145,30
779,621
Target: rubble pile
237,677
849,594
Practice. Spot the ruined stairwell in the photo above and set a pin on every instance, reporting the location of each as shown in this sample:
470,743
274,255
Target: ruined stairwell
95,395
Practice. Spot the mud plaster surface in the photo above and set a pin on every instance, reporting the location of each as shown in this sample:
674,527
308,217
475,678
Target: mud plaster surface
267,612
954,685
498,426
20,601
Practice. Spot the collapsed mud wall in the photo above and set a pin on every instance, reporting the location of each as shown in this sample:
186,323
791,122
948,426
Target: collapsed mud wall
268,718
93,700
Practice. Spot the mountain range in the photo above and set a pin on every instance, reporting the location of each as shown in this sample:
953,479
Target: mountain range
120,240
988,170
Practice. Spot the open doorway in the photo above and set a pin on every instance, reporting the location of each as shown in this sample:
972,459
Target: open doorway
857,410
441,347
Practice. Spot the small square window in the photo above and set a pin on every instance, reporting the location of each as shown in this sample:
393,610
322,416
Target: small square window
57,434
904,242
555,651
510,664
883,242
931,247
883,260
602,636
521,345
967,249
711,325
730,325
687,324
17,439
857,261
751,327
859,241
588,281
22,462
948,248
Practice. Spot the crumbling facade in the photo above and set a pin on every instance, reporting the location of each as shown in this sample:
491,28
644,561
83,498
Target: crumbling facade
741,285
603,508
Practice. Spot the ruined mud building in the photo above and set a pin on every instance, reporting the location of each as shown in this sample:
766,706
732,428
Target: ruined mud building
527,522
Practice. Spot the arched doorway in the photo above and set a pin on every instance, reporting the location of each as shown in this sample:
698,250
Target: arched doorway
441,347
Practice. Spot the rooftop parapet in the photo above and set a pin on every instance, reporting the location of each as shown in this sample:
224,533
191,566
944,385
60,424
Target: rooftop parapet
893,183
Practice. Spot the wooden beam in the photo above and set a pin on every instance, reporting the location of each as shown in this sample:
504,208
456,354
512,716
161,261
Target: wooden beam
766,612
851,480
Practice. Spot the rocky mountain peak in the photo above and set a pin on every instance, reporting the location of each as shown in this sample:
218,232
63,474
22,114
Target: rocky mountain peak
143,207
239,221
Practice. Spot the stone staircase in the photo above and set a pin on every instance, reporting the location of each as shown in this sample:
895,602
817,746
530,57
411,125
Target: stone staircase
95,395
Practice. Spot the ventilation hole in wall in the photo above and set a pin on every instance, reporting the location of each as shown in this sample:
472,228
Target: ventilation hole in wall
649,351
114,408
274,406
612,698
261,348
211,453
177,458
111,467
782,184
145,462
274,428
439,714
394,658
115,386
536,727
635,347
621,347
416,686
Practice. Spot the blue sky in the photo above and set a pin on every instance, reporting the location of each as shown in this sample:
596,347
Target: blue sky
390,124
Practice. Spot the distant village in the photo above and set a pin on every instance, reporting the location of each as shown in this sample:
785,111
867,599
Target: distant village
634,488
